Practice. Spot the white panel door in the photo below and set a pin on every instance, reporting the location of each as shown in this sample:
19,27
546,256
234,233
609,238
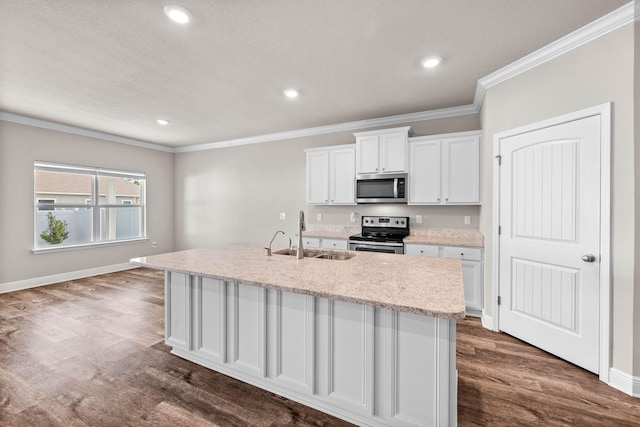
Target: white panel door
342,173
294,349
318,177
461,182
209,313
350,356
177,315
247,335
424,172
550,219
393,152
367,154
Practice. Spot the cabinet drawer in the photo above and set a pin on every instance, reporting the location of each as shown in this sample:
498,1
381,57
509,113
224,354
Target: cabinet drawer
311,242
424,250
334,244
471,254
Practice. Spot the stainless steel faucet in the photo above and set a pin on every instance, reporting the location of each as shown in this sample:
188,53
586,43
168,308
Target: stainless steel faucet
301,228
274,236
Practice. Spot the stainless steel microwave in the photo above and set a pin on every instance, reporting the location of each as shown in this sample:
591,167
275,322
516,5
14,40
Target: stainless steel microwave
381,188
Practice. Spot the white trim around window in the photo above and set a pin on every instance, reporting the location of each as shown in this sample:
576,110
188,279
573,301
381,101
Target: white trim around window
80,222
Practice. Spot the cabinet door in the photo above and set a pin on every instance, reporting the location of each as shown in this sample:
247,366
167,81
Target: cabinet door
310,242
342,174
424,172
367,154
472,278
393,152
318,177
423,250
335,244
461,177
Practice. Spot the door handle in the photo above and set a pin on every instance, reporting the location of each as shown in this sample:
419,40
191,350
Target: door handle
588,258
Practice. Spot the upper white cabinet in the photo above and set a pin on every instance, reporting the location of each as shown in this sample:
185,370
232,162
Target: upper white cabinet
331,175
382,151
445,169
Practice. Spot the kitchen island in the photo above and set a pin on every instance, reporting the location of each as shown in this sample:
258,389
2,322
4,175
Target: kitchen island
370,339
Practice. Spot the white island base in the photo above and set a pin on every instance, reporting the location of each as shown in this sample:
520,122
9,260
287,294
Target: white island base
370,366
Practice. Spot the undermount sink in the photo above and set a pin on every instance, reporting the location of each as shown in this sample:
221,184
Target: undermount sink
315,253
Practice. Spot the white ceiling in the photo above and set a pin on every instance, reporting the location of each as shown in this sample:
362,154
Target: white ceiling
115,66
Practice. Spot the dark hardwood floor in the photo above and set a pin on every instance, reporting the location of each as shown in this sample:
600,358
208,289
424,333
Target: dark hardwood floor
90,352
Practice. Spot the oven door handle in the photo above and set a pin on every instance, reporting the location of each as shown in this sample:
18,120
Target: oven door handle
372,248
395,188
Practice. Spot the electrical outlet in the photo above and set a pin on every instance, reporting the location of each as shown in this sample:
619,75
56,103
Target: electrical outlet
154,244
353,217
467,220
283,215
418,219
319,217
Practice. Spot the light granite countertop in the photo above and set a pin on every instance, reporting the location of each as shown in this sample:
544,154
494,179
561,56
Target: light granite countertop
421,285
446,237
426,236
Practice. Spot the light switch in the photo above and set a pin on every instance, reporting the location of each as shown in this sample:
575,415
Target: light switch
319,217
467,220
283,215
418,219
353,216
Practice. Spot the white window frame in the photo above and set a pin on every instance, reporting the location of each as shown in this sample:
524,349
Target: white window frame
93,202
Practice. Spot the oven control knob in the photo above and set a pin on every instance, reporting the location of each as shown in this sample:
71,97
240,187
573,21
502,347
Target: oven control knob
402,222
396,221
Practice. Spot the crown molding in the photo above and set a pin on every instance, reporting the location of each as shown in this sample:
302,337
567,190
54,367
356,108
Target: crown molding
598,28
45,124
340,127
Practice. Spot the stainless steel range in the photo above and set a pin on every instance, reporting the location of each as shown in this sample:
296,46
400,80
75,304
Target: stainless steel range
381,234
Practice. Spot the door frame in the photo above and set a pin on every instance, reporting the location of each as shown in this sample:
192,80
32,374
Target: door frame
604,112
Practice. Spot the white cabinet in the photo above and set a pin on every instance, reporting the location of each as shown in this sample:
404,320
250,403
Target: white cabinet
324,243
334,244
310,242
331,175
382,151
445,169
471,270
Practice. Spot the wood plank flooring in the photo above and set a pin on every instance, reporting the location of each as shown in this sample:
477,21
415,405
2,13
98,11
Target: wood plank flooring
90,352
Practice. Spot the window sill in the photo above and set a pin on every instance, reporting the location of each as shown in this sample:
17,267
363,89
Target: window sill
48,249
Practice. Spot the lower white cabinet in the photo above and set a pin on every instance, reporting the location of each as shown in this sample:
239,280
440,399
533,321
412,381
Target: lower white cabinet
369,366
325,243
334,244
471,270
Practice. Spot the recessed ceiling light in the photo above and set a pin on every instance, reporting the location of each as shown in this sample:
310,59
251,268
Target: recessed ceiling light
431,62
177,14
291,93
162,122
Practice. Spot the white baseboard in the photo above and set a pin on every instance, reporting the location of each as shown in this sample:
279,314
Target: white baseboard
624,382
63,277
487,321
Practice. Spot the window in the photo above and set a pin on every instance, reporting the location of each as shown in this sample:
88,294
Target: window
45,202
87,205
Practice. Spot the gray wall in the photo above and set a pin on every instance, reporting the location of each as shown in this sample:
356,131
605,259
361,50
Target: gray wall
595,73
20,146
236,194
